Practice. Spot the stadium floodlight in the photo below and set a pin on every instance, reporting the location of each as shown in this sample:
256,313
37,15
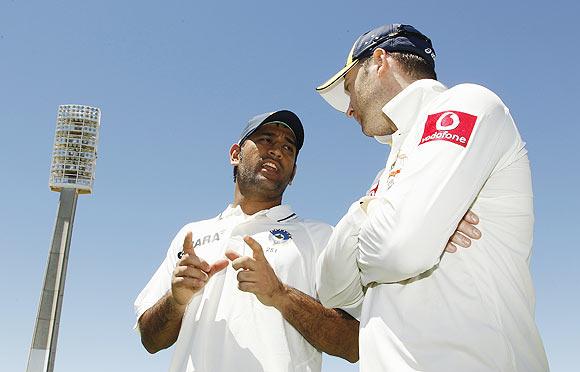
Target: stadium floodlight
72,172
75,148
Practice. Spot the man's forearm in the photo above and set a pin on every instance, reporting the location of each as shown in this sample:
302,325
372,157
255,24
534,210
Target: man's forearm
160,324
332,331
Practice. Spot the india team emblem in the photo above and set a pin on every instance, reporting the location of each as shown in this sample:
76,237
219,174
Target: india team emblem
280,236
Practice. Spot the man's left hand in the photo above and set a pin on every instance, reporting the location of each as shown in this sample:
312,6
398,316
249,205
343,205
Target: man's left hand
255,275
466,231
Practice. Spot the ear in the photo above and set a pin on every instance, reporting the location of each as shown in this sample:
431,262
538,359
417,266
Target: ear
380,58
235,154
293,174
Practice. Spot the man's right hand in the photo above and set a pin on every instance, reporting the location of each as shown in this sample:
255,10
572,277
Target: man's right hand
192,273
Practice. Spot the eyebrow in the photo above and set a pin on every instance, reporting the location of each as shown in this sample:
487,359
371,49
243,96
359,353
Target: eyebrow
287,138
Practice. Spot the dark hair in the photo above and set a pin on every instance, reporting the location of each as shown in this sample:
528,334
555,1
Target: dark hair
415,66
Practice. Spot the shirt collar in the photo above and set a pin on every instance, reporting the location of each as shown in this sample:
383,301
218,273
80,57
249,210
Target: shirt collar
278,213
404,108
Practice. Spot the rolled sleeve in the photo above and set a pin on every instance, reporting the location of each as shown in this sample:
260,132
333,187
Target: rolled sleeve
337,276
160,282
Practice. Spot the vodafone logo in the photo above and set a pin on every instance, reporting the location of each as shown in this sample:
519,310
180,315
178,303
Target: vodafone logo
447,121
450,126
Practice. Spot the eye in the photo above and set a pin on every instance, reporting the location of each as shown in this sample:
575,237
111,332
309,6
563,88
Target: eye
289,149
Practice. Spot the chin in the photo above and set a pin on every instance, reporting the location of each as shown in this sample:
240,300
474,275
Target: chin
372,130
366,131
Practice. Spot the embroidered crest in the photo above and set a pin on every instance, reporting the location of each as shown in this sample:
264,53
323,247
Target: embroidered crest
280,236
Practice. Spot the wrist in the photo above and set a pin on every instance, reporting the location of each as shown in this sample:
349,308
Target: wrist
280,297
176,309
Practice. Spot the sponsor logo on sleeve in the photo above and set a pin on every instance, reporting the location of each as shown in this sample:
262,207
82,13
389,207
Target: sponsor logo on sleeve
451,126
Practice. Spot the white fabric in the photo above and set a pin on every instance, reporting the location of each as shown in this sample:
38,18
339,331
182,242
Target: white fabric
426,310
225,329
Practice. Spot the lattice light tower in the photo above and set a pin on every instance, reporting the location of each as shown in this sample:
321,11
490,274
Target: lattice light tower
72,172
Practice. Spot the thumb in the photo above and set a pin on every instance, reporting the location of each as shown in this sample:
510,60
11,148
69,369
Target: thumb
217,266
232,255
257,251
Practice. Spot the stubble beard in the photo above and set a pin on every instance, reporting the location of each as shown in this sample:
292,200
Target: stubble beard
371,100
372,123
252,183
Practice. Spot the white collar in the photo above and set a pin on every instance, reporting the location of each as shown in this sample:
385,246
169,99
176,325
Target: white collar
278,213
404,108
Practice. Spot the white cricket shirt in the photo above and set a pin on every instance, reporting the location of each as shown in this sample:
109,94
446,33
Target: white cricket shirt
426,310
225,329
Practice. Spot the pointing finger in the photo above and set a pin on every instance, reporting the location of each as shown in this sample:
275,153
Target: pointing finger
258,253
188,244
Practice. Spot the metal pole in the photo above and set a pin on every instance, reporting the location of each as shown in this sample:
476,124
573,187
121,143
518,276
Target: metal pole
43,349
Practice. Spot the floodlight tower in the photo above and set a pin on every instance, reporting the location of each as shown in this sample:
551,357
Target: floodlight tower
72,172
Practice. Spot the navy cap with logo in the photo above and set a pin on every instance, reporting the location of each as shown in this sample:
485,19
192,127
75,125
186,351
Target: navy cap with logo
392,38
285,117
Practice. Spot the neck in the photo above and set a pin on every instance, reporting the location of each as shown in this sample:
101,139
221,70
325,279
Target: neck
398,82
253,204
390,125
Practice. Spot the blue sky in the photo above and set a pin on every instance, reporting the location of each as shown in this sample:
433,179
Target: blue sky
176,81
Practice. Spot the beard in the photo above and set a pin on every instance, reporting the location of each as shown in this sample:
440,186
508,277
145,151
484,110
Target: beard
371,99
251,181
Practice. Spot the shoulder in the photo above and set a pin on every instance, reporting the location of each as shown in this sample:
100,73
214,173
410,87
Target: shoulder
198,225
312,224
196,228
472,96
319,232
474,102
316,225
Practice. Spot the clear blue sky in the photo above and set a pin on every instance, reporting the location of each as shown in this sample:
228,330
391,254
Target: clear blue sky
176,81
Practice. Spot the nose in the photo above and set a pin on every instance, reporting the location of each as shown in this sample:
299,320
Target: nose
275,150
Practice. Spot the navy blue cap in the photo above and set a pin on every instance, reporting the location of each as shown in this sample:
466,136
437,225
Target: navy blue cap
392,38
285,117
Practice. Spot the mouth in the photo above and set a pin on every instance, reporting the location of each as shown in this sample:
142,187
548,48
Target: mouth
271,166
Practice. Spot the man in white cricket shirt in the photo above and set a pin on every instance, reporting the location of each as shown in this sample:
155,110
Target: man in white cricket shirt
260,312
451,149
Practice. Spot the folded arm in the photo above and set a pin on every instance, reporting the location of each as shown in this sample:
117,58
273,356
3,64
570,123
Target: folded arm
407,228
